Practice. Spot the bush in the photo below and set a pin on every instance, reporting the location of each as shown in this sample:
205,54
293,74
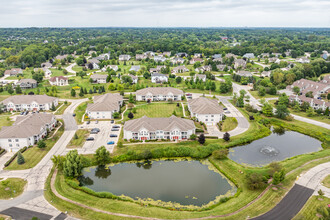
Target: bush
255,181
201,139
193,137
226,136
120,144
220,154
278,177
41,144
20,158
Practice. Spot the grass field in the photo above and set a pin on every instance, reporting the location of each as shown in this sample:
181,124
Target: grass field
61,110
326,181
310,209
256,95
5,120
15,186
79,142
229,124
33,155
154,110
80,111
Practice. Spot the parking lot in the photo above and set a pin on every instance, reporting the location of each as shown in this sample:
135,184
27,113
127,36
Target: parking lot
101,138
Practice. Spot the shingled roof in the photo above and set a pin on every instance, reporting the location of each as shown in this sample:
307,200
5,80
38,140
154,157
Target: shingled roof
27,99
106,102
204,105
159,91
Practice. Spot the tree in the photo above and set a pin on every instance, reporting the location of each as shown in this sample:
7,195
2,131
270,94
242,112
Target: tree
326,112
226,136
72,166
115,114
53,108
81,93
193,137
73,93
296,90
178,79
262,91
20,158
18,90
41,144
220,154
130,115
282,111
310,112
278,177
75,136
102,156
131,98
320,192
255,181
201,139
274,167
267,109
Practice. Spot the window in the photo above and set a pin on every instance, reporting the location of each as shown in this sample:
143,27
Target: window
212,116
16,140
10,145
17,145
9,140
206,119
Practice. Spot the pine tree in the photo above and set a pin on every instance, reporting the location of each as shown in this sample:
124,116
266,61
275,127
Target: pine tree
201,139
73,93
226,136
130,115
20,158
81,93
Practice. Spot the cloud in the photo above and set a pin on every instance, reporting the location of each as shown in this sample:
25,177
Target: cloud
169,13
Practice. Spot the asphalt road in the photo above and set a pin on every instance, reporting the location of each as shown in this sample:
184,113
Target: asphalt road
290,205
23,214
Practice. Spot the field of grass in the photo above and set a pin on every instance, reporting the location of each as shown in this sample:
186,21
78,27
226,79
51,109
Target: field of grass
155,110
80,111
326,181
56,72
61,109
11,187
310,209
229,124
256,95
79,142
34,154
5,120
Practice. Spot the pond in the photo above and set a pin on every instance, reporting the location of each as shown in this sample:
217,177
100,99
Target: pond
183,182
281,144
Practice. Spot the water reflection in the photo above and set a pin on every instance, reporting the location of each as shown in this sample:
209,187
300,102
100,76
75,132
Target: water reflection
102,172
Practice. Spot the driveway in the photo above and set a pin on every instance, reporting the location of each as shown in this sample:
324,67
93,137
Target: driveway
69,68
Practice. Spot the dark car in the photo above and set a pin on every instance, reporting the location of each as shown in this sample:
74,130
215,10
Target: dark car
88,122
112,121
225,108
96,129
113,135
116,126
115,129
90,139
74,114
22,113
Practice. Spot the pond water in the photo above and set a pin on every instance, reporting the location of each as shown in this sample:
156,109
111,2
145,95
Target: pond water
281,144
184,182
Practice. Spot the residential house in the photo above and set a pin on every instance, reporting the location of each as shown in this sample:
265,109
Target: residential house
29,103
99,78
45,70
222,67
265,73
218,60
104,106
150,54
13,72
159,94
158,69
302,60
26,131
206,110
325,55
313,103
180,69
59,81
201,77
248,55
159,78
177,60
167,54
105,56
277,54
229,55
172,128
27,83
203,69
264,55
198,55
325,79
159,59
194,60
46,65
244,73
217,56
95,64
305,85
181,55
240,63
124,57
61,57
135,68
140,56
274,60
111,67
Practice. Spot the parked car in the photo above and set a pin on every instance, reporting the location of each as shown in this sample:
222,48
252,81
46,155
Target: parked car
227,112
114,129
225,108
112,121
110,142
74,114
113,135
88,122
116,126
96,129
22,113
90,139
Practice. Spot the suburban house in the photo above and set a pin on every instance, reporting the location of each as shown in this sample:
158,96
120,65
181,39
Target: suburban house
206,110
248,55
159,59
95,62
135,68
124,57
198,55
302,60
229,55
172,128
111,67
265,73
99,78
222,67
274,60
29,102
177,60
202,69
159,94
150,53
180,69
140,56
26,131
181,54
313,103
27,83
61,57
105,56
46,71
134,78
59,81
104,106
194,60
325,79
158,69
305,86
217,60
167,54
244,73
217,56
264,55
159,78
13,72
46,65
239,63
277,54
200,77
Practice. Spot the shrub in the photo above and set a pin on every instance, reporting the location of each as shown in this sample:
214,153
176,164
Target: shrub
201,139
278,177
120,144
20,158
193,137
220,154
41,144
226,136
255,181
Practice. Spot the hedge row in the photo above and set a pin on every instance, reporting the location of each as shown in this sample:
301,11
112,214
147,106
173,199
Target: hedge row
2,151
14,156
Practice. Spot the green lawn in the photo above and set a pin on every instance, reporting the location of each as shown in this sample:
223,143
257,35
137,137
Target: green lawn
79,142
256,95
80,111
155,110
5,120
56,72
34,154
61,110
310,209
326,181
11,187
229,124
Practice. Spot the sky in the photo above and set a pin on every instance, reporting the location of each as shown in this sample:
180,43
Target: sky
165,13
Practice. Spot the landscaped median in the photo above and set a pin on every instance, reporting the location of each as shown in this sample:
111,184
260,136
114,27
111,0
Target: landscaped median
78,139
11,187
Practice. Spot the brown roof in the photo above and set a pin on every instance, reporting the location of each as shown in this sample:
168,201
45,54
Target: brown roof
164,124
106,102
159,91
204,105
53,79
28,99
